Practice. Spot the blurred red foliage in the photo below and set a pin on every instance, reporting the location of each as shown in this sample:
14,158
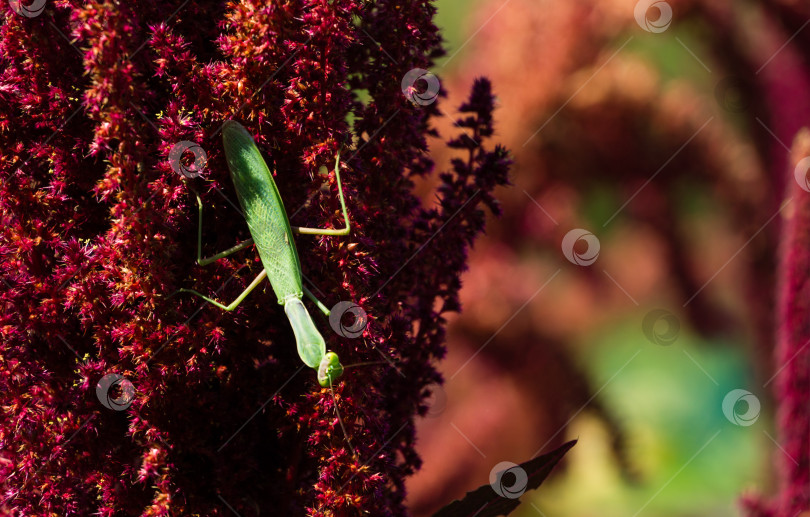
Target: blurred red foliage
597,126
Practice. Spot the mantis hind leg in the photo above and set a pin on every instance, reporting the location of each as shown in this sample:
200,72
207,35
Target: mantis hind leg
208,260
234,304
330,231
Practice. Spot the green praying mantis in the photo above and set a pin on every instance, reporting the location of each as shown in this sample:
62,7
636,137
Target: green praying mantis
270,230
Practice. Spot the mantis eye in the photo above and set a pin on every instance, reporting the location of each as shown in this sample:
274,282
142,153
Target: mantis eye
330,369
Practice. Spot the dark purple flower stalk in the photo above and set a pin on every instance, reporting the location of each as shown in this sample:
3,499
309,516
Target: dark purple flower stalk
97,230
792,355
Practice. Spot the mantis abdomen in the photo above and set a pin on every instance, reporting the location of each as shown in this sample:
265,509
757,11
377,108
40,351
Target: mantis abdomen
264,212
271,232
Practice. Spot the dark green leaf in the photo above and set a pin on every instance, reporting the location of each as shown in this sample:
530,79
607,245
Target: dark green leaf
486,502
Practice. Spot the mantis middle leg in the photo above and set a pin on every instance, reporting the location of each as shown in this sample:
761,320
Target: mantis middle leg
327,231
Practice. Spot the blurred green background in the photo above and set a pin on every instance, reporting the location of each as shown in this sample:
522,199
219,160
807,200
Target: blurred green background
678,454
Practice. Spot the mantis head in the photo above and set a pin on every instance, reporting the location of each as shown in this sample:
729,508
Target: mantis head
330,369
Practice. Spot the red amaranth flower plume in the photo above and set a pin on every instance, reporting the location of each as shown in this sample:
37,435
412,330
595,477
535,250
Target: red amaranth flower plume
98,230
792,379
